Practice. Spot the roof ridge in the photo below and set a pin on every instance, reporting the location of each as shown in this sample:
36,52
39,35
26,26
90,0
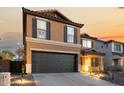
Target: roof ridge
47,10
49,15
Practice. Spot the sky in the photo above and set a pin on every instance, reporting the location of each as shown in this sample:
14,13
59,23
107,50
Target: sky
104,23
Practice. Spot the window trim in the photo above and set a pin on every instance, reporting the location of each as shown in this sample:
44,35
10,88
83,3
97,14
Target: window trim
95,61
71,34
86,43
41,29
113,48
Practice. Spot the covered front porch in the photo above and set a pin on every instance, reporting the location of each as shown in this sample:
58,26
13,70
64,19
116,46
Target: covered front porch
92,61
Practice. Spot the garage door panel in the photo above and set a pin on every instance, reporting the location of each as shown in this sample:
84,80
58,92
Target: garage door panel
44,62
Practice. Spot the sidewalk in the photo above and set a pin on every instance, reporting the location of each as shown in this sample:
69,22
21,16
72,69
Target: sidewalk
27,80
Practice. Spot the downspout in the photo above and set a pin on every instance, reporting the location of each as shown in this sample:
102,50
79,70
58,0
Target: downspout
24,35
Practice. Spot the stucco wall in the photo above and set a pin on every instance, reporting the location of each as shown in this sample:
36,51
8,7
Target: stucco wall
56,30
99,46
108,56
36,45
57,35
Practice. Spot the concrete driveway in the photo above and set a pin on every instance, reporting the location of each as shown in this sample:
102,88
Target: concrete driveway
68,79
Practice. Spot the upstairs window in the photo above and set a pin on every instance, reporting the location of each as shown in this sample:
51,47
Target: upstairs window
41,29
86,43
70,34
118,48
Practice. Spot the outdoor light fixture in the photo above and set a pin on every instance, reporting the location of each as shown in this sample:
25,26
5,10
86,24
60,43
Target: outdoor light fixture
22,81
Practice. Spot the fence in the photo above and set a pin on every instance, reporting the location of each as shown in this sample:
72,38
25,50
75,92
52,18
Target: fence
16,67
4,65
4,72
10,66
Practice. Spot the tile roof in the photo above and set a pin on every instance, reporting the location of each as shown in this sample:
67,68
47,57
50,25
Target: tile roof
52,15
109,41
85,35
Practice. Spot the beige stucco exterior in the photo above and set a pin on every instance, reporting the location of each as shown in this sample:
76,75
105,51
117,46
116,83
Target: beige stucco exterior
57,29
55,44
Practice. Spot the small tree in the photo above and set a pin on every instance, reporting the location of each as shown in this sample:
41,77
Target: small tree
20,52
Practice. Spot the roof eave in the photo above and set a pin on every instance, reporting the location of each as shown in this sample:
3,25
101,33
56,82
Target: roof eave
35,13
92,53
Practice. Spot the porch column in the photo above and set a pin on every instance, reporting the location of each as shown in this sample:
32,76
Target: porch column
102,63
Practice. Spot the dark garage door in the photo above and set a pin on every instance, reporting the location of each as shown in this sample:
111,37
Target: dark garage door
44,62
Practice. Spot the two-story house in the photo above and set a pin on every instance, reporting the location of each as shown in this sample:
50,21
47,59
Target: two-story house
114,53
92,54
51,42
97,54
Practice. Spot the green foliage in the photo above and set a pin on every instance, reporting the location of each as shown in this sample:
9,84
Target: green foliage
94,69
7,55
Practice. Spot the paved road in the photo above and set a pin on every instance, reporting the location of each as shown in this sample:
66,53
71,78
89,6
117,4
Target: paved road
68,79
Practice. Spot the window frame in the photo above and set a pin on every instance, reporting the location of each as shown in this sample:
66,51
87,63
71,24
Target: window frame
70,37
95,62
42,30
116,49
115,62
85,45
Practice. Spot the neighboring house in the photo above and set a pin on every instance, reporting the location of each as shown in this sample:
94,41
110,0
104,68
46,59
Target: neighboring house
51,42
98,54
114,53
92,54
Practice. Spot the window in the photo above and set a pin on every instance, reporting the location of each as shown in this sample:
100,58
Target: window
86,43
117,47
106,45
102,46
95,62
89,44
41,29
116,62
70,34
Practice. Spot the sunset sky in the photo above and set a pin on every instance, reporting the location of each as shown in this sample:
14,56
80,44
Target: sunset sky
104,23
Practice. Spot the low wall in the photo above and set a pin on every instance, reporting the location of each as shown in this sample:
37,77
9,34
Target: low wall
5,79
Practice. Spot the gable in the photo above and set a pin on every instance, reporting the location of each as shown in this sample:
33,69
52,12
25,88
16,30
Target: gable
52,15
55,14
61,16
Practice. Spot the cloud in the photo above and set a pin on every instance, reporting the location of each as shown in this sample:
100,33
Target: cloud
9,40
